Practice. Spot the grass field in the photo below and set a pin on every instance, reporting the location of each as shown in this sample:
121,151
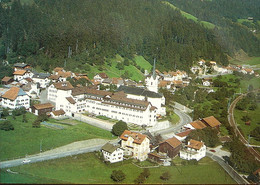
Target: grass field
255,120
252,61
25,140
112,71
189,16
88,169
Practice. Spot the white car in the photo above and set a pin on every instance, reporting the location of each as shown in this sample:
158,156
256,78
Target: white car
26,161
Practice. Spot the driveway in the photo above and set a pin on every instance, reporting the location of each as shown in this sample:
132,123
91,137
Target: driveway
75,148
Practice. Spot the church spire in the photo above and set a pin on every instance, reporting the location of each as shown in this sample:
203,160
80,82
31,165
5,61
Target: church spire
154,74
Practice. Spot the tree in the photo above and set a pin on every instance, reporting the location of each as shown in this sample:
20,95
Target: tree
146,173
140,179
5,112
6,125
119,128
165,176
117,175
256,133
36,124
24,118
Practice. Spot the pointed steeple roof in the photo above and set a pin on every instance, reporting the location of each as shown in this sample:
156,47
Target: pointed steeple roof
154,74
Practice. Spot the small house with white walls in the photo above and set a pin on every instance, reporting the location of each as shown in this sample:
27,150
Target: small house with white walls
21,66
135,145
21,74
32,89
41,109
112,153
14,98
100,77
193,150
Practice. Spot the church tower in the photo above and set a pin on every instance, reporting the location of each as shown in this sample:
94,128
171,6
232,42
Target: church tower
152,80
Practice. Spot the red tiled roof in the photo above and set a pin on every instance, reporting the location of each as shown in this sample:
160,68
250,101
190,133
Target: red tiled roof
195,144
43,106
56,69
198,124
174,142
71,100
103,75
184,134
58,112
63,85
6,79
12,93
19,72
211,121
138,138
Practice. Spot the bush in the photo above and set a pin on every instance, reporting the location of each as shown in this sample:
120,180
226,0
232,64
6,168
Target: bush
193,162
5,113
36,124
119,128
19,111
6,125
184,163
117,175
165,176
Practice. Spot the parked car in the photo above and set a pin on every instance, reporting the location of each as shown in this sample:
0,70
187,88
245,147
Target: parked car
212,150
26,161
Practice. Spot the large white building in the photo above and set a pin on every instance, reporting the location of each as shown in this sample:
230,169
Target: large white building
112,105
135,144
112,153
14,98
194,150
59,89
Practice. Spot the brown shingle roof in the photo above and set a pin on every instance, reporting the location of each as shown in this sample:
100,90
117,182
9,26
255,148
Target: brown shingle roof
6,79
12,93
43,106
56,69
174,142
195,144
65,74
103,75
198,124
54,77
58,112
19,72
183,134
211,121
138,138
63,85
71,100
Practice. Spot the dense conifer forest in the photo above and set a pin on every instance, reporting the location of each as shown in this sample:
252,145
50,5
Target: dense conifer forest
46,32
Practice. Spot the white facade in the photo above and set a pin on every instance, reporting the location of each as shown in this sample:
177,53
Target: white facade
58,91
15,98
112,154
44,82
152,83
191,151
135,145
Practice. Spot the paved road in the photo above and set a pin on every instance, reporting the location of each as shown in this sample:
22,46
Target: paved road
48,155
184,119
233,124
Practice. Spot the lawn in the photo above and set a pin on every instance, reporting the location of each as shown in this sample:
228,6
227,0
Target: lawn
255,120
25,140
112,71
252,61
189,16
88,169
140,61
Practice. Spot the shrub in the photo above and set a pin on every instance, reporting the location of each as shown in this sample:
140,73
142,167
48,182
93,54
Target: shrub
117,175
193,162
165,176
119,128
6,125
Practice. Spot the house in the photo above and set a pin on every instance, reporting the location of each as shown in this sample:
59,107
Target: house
247,71
64,75
32,89
42,79
207,82
211,121
193,150
26,80
100,77
112,153
117,82
21,66
57,69
21,74
58,114
59,89
14,98
41,109
170,146
213,63
202,62
7,80
135,145
165,84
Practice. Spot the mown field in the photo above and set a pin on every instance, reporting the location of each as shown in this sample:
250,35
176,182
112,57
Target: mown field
255,121
112,71
89,169
252,61
25,140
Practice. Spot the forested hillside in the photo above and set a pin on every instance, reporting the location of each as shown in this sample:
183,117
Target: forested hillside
45,33
227,16
100,29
